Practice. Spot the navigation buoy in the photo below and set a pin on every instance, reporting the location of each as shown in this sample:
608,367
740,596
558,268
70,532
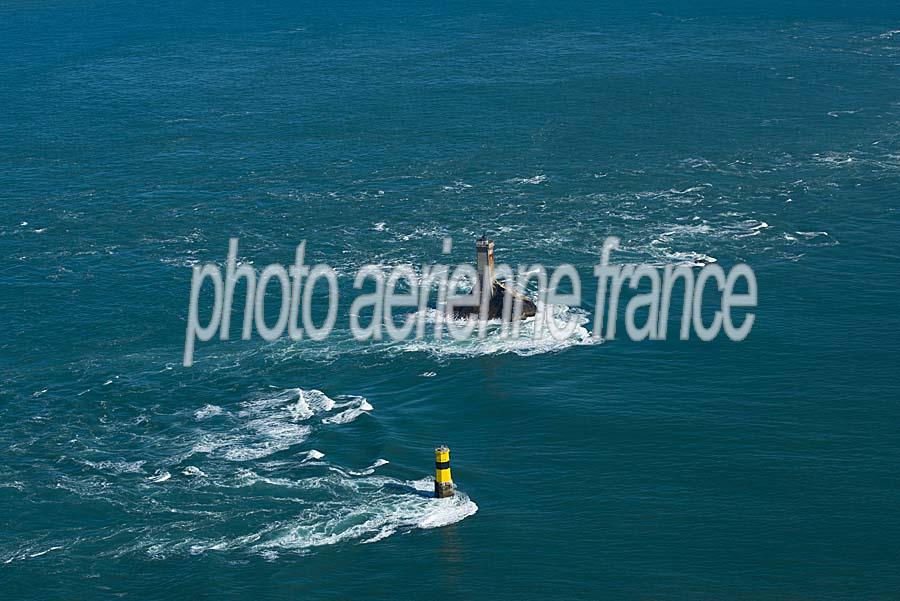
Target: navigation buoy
443,483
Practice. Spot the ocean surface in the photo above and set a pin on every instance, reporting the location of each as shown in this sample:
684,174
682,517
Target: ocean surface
137,138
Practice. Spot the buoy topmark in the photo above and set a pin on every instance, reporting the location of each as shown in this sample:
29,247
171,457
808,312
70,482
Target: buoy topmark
443,483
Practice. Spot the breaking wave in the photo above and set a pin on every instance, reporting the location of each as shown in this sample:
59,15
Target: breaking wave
357,509
246,479
275,422
534,335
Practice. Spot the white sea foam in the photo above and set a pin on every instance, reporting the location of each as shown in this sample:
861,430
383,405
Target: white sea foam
457,186
308,403
537,179
818,238
159,477
356,408
689,258
694,163
833,158
118,467
368,518
683,230
358,509
754,230
691,190
29,553
668,247
308,503
207,411
45,551
371,469
381,535
264,436
274,422
534,336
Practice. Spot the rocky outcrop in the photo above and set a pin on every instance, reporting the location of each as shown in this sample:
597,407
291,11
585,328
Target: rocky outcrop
498,294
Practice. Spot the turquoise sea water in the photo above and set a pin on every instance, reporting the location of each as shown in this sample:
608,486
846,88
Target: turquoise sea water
135,140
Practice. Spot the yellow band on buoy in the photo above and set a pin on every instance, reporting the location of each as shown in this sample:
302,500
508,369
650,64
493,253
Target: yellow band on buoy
442,465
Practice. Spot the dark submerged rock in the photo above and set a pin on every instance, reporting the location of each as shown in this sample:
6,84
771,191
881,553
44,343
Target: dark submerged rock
498,294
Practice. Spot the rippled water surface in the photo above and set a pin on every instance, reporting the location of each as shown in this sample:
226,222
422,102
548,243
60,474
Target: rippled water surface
135,140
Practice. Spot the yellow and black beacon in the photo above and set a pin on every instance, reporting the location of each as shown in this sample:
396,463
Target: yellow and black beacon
443,483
